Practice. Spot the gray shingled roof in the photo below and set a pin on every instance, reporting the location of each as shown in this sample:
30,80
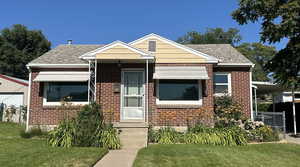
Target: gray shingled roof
65,54
69,54
224,52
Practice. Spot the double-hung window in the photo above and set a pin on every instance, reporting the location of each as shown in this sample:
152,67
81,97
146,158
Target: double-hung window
75,92
178,92
222,83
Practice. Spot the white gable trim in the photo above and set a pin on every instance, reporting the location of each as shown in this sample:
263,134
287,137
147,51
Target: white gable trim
91,54
209,58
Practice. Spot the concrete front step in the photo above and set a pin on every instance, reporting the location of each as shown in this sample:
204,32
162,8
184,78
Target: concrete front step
132,134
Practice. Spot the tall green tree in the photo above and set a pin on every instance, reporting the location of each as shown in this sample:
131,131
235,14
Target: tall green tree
260,55
279,19
18,46
212,36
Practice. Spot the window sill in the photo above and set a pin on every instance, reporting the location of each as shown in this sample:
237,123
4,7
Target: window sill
55,107
182,106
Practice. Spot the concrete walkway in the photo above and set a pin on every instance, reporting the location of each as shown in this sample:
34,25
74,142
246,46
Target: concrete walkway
118,158
133,136
291,139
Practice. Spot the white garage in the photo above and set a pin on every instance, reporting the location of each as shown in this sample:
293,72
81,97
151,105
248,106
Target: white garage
15,99
13,91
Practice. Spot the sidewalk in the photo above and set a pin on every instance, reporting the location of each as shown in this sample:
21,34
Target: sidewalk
291,139
118,158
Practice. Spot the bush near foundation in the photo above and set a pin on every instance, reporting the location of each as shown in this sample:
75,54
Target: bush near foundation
200,135
86,130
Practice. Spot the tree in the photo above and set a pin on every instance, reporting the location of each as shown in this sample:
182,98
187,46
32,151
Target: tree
212,36
18,46
260,55
279,19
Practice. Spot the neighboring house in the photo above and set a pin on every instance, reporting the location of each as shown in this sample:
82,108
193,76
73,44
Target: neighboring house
286,97
13,91
13,94
152,80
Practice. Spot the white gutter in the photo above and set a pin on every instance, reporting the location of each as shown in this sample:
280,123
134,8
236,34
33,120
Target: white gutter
58,65
236,64
28,101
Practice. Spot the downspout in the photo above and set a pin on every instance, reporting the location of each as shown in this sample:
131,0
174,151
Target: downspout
89,82
147,91
28,99
251,96
95,99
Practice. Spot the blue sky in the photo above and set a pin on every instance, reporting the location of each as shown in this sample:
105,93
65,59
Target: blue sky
101,22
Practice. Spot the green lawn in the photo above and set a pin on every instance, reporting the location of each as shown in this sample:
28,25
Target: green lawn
16,151
181,155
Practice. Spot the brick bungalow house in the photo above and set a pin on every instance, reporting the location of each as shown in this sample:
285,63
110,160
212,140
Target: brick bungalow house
151,80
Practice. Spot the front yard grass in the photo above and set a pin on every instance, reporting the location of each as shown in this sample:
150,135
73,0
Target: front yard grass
262,155
16,151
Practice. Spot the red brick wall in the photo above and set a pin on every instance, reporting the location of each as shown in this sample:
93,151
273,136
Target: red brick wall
240,84
173,115
181,115
46,115
109,74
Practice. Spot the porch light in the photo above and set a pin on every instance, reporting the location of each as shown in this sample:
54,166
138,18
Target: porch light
119,64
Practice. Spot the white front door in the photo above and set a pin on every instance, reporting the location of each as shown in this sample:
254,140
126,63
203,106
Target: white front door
132,95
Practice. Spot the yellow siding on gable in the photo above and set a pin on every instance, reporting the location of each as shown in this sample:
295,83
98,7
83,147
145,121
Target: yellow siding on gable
167,53
118,52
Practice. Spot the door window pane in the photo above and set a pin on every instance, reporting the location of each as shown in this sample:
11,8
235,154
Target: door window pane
133,83
178,90
133,102
58,91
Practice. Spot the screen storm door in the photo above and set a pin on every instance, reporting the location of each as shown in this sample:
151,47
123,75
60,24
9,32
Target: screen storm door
132,92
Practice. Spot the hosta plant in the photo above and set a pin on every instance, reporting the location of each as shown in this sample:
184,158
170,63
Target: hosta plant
63,135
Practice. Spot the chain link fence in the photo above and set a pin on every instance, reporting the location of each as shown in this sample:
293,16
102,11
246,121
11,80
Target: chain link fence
13,114
1,111
276,120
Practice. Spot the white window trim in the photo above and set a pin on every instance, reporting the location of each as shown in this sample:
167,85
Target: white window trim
46,103
228,84
179,102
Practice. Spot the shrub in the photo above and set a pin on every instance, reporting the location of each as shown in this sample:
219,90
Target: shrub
88,122
264,107
34,132
63,135
86,130
151,135
199,128
167,135
24,134
227,112
263,134
108,138
215,136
